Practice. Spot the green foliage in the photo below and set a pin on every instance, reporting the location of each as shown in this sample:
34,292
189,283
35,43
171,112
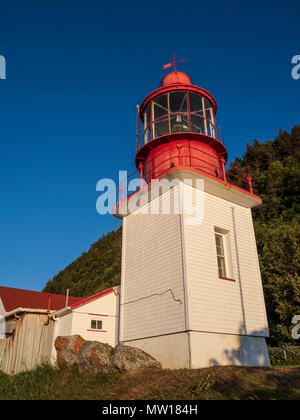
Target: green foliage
94,271
274,166
286,356
204,389
48,383
216,383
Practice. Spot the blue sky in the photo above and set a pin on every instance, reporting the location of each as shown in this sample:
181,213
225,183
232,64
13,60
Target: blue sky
75,72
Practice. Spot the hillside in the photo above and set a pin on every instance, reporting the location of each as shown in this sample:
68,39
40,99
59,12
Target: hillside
274,166
216,383
94,271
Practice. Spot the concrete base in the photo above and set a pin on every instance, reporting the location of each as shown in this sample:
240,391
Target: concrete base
195,350
172,351
209,349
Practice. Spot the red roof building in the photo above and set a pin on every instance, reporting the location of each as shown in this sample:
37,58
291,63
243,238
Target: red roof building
28,299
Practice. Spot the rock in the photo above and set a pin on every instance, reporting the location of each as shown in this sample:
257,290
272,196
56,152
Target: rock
95,357
68,350
126,358
71,342
92,357
67,359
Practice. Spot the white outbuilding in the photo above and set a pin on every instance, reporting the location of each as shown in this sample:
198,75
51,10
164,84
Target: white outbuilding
95,318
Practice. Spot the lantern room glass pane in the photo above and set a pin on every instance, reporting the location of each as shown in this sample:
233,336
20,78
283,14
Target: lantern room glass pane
178,102
161,127
148,115
147,135
197,124
180,123
160,105
211,130
208,110
196,104
147,124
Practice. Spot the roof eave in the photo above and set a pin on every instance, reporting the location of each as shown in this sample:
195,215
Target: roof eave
28,310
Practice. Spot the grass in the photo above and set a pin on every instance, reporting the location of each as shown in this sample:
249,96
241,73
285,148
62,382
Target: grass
216,383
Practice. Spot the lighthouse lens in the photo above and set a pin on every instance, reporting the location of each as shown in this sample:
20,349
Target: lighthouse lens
180,123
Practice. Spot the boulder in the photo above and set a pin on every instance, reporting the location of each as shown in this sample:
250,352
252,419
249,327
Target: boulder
126,358
68,350
72,343
91,357
95,357
67,359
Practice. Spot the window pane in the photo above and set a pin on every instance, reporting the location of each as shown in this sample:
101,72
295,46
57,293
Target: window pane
148,115
221,267
219,245
99,325
210,129
93,324
160,106
179,123
208,110
147,135
178,102
197,124
220,255
161,127
196,103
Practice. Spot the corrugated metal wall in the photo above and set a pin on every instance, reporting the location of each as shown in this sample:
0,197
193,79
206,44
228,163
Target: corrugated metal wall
29,346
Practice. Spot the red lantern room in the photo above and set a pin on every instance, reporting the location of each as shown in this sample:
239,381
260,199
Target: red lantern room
178,130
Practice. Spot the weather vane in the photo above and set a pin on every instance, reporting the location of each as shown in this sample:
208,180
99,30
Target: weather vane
165,66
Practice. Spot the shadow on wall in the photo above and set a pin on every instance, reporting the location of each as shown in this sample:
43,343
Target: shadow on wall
246,351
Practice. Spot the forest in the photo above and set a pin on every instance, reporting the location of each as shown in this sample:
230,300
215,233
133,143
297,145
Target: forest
275,171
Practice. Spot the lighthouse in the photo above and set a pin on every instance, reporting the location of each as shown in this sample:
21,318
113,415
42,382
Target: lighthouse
191,289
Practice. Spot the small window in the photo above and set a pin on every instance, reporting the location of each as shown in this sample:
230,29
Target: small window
96,325
220,254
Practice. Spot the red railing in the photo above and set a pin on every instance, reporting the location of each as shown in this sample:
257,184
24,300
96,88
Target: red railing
186,161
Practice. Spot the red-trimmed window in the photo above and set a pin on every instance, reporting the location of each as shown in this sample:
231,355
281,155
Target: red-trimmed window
220,254
96,324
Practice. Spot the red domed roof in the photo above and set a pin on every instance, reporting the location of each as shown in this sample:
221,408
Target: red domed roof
176,77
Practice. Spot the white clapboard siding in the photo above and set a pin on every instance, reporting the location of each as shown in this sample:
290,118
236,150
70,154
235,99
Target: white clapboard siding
105,309
63,325
217,305
152,275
